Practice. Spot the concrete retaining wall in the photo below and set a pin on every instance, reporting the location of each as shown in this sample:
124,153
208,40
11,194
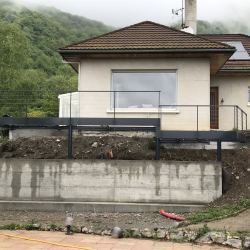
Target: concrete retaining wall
35,132
109,181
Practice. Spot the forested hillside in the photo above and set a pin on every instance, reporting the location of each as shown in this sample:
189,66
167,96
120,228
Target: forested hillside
29,39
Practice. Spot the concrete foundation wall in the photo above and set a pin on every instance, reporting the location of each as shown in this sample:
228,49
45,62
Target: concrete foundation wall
34,132
109,181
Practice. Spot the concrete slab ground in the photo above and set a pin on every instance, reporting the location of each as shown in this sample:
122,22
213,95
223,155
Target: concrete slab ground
89,242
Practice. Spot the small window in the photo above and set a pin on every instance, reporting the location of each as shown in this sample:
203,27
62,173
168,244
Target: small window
129,81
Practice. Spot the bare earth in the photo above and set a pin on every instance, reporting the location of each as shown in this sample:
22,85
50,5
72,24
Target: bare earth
95,221
91,242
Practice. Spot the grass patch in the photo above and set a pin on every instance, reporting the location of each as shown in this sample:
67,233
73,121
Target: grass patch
202,231
127,233
219,213
11,226
32,226
53,227
14,226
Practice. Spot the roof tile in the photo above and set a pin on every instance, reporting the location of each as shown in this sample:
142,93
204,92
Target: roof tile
146,35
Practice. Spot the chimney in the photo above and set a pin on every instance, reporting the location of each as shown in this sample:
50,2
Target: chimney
191,16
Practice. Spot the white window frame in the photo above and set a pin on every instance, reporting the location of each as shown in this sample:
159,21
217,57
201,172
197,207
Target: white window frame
144,110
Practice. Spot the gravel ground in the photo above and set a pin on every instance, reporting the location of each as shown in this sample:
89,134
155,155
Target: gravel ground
95,221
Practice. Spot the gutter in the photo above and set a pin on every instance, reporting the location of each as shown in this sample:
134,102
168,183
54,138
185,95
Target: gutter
234,70
96,51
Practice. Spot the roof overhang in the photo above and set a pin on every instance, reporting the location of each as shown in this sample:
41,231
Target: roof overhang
218,57
235,72
236,67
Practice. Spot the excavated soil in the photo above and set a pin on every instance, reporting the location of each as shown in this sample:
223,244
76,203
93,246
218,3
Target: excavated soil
236,162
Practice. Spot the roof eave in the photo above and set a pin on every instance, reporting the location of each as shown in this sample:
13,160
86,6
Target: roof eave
109,51
234,70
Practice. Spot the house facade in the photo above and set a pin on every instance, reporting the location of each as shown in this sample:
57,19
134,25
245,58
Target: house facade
149,70
232,82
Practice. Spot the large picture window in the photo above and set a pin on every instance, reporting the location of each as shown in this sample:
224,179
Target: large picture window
161,80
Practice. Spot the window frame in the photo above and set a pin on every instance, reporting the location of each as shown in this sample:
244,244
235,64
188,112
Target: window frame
248,95
143,110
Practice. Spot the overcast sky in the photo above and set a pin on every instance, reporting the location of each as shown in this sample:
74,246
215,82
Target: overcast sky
124,12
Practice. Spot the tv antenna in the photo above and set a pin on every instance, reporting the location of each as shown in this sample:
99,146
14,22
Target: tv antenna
178,12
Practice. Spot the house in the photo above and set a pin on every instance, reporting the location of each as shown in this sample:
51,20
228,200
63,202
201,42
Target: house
202,79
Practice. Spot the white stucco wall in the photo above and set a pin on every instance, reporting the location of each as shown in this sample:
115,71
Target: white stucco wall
234,91
193,87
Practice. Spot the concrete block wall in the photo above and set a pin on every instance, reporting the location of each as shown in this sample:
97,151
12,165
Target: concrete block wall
110,181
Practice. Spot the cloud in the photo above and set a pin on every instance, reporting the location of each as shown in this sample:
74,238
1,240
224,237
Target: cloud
124,12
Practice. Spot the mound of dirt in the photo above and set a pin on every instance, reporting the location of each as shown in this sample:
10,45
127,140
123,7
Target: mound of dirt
236,163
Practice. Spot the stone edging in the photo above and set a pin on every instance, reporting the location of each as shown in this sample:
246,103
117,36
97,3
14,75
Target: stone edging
202,235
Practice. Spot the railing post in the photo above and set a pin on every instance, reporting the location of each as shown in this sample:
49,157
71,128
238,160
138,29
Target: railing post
197,110
70,99
242,126
70,131
114,96
218,150
70,135
159,99
237,117
159,105
234,119
246,120
157,147
26,106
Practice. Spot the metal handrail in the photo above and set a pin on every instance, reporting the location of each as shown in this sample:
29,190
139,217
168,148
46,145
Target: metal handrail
237,109
240,116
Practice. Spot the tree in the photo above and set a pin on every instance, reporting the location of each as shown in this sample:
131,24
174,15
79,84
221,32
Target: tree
14,51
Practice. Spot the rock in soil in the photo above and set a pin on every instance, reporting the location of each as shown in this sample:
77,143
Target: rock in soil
205,239
236,243
146,233
176,235
247,243
160,234
218,237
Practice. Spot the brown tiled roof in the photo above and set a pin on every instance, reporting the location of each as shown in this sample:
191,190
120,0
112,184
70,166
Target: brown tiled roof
233,65
147,36
236,65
